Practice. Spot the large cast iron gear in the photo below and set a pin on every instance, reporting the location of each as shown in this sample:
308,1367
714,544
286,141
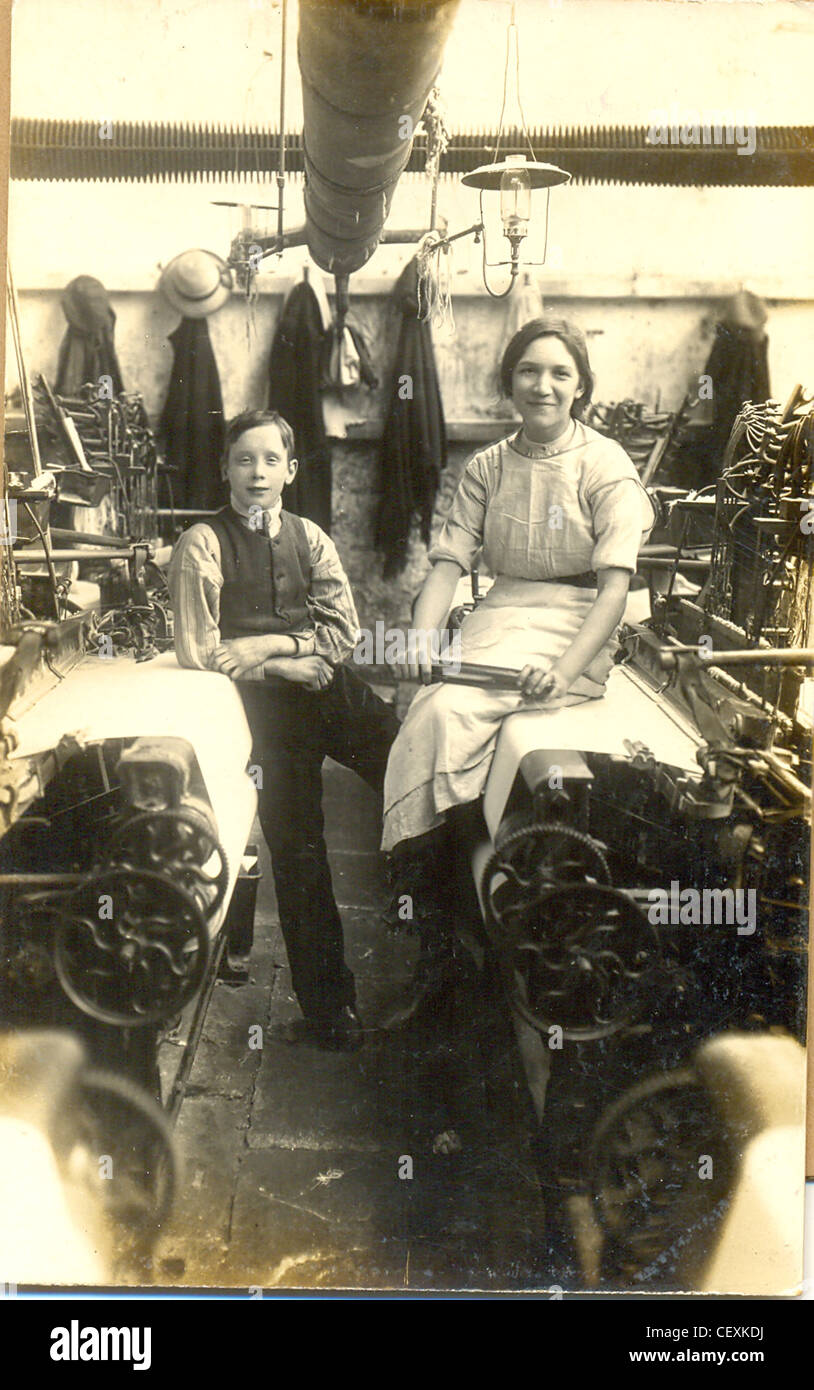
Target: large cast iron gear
527,863
179,843
660,1166
586,962
130,947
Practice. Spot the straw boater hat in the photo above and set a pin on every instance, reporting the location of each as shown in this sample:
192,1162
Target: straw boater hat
196,283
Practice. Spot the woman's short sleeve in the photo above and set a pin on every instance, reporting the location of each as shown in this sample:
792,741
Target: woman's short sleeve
622,513
461,536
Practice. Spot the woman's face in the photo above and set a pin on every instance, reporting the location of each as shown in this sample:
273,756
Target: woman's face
545,384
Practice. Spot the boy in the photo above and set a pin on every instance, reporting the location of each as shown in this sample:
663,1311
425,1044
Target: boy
260,595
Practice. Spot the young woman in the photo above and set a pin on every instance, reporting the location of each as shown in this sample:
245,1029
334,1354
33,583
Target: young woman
557,514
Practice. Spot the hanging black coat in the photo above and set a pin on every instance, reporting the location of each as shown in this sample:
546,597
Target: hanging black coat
294,390
414,442
738,365
87,351
192,420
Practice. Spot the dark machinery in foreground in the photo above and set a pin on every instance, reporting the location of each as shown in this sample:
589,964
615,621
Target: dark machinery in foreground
648,917
114,879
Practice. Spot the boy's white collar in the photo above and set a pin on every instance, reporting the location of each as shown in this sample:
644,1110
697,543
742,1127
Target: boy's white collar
273,514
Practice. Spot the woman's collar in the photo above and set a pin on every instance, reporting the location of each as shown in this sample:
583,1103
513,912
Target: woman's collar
531,450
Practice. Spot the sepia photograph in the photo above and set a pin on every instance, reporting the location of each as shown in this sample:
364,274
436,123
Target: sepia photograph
407,652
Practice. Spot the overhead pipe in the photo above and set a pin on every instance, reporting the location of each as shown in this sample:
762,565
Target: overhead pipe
367,68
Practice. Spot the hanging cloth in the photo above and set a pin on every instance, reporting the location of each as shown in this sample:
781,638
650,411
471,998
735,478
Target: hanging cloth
192,420
525,304
294,389
739,367
414,443
87,351
347,363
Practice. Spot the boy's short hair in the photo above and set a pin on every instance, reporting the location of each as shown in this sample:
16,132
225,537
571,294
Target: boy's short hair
250,420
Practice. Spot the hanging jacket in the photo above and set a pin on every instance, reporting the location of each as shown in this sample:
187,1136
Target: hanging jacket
294,390
739,367
87,351
414,443
192,420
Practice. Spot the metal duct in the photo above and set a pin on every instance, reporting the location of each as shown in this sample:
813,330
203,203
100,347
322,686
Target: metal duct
367,68
156,153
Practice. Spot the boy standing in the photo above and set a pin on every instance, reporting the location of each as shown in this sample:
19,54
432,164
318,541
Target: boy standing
260,595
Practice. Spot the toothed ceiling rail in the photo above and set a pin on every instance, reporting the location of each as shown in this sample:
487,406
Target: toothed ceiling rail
149,152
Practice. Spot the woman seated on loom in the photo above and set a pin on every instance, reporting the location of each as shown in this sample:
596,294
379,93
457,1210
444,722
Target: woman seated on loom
558,514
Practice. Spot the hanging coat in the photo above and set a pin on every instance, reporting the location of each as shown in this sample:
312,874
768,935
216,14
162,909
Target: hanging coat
739,368
192,420
414,442
87,351
294,390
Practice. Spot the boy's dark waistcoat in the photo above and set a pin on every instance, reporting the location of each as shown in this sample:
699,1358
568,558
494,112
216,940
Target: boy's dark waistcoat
265,583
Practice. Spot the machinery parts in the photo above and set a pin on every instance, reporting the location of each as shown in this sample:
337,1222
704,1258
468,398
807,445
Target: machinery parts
684,1164
178,843
119,1119
367,70
130,946
586,964
152,152
651,1188
88,1169
528,861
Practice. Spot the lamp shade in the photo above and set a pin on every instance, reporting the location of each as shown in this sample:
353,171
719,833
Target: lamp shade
539,175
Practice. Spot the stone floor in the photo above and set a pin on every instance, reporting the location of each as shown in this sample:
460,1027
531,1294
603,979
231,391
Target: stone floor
306,1169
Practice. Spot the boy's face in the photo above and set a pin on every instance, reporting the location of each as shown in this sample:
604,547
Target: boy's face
258,468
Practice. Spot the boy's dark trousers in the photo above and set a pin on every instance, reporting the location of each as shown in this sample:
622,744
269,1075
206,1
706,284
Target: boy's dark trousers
293,730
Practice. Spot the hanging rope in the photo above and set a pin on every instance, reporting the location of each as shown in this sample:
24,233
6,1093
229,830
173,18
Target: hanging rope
434,283
437,143
433,259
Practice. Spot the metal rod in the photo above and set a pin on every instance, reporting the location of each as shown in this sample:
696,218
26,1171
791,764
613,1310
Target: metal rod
62,533
656,562
782,772
397,236
179,1087
39,880
25,384
34,556
758,656
473,673
281,168
475,230
183,511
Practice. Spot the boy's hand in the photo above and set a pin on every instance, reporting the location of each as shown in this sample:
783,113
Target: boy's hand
314,672
237,655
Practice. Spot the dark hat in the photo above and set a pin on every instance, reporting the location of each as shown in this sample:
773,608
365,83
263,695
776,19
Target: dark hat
86,306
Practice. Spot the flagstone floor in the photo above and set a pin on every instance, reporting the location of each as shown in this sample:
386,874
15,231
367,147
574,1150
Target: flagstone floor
306,1169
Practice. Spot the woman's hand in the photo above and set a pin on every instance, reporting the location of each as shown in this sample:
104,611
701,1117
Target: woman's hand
418,651
237,655
429,617
542,683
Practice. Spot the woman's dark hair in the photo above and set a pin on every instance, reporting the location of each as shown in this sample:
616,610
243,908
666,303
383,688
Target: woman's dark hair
550,327
249,420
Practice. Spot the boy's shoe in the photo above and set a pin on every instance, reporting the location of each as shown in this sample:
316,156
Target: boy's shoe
342,1033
